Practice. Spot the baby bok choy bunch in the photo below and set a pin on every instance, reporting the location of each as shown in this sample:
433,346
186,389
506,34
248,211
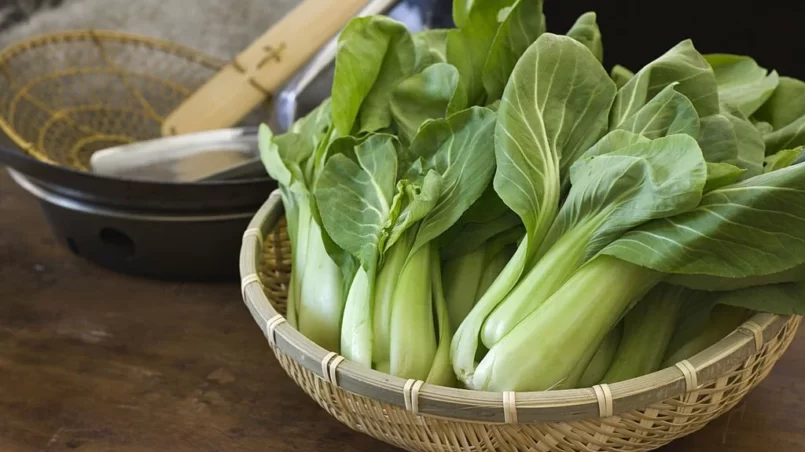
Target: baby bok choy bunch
409,148
386,204
550,139
590,168
488,207
723,237
319,272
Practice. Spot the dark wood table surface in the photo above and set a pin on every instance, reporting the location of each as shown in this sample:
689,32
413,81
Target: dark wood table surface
91,360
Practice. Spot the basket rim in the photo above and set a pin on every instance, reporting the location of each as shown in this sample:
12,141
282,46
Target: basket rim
482,406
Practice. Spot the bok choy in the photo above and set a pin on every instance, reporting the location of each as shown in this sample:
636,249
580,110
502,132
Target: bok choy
295,161
489,207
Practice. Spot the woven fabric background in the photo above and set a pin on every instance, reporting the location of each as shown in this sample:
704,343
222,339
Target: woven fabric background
216,27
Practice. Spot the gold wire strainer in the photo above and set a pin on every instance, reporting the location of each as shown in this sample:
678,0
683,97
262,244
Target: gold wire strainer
66,95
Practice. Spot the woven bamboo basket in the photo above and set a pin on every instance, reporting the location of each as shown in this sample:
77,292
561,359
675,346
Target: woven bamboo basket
636,415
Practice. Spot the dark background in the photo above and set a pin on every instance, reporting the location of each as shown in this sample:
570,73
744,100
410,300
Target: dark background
637,31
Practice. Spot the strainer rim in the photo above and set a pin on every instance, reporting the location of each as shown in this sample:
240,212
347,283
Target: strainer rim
89,34
163,45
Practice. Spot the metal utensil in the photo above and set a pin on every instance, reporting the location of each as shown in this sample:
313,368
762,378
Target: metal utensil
207,164
184,158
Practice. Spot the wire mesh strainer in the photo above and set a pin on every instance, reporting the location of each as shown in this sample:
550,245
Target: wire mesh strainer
66,95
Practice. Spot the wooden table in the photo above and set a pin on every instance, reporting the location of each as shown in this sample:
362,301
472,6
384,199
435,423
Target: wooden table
94,361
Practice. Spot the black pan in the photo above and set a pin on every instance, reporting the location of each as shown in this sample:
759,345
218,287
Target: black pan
186,232
145,195
162,245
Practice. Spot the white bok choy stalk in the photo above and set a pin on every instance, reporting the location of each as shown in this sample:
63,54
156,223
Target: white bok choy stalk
648,330
475,250
723,320
384,204
469,276
461,150
602,360
671,322
723,237
714,317
295,160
